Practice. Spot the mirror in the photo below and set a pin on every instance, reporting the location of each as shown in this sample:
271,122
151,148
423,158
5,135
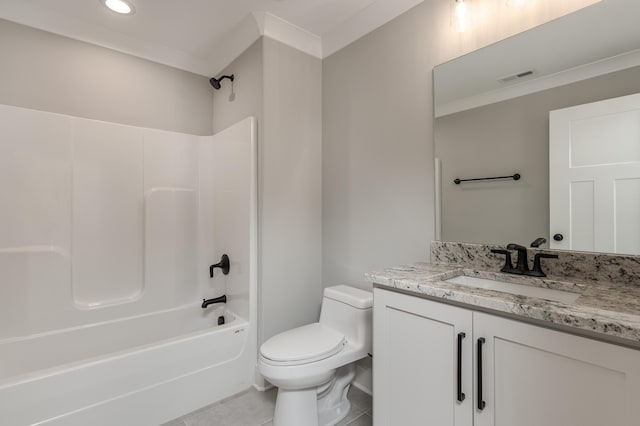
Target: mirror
492,110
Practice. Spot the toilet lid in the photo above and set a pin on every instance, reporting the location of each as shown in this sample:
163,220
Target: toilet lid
308,343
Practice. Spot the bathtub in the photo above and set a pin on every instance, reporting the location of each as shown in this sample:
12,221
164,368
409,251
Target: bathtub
142,370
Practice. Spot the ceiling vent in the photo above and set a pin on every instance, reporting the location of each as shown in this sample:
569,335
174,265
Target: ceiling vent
517,76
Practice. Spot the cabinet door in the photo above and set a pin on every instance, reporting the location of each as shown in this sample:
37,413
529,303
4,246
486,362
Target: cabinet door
534,376
415,360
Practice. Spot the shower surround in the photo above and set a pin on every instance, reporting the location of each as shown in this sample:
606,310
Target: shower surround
107,232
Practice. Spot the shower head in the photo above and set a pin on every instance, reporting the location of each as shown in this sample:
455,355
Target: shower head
215,82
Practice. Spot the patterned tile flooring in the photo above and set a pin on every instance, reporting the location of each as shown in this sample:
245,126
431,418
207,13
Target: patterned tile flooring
253,408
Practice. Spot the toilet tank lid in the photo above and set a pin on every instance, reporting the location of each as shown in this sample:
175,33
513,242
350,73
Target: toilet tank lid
355,297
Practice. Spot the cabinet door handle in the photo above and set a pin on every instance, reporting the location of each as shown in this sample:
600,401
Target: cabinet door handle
461,395
481,403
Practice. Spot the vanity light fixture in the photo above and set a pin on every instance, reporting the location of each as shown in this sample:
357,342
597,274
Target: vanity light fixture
460,15
122,7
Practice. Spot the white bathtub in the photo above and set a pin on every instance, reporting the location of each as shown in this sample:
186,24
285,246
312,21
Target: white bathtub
142,370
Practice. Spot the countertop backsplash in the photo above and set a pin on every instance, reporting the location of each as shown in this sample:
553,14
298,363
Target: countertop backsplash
571,265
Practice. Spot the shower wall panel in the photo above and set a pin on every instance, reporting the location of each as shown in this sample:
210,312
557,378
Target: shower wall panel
35,228
171,217
107,213
170,245
99,221
230,169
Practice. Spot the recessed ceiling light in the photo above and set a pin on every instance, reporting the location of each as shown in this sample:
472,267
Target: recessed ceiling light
122,7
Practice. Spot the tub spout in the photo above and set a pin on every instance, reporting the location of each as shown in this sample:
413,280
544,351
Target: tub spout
207,302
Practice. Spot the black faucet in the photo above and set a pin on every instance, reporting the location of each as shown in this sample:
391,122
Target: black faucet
522,264
508,266
207,302
538,242
537,268
223,265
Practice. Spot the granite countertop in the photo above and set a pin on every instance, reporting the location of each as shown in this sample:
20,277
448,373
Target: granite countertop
607,310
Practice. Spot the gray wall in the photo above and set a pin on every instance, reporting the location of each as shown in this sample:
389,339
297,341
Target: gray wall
247,87
48,72
280,86
504,138
377,149
291,256
377,153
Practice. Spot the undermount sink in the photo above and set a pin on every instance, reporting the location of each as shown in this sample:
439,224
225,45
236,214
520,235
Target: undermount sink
517,289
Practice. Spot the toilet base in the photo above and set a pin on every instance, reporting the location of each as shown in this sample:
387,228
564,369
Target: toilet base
296,407
325,405
333,404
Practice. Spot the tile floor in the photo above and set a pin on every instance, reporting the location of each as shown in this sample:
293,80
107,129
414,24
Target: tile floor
253,408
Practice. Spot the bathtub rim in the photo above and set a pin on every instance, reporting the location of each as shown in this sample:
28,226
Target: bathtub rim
19,379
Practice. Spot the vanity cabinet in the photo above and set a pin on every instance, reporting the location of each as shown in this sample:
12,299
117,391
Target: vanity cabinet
427,354
415,359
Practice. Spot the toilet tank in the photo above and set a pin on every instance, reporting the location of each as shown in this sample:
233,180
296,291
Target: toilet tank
349,310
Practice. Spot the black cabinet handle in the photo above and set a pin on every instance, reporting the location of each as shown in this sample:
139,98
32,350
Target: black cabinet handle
461,395
481,403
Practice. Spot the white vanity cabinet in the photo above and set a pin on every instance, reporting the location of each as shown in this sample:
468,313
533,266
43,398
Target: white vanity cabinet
415,359
530,375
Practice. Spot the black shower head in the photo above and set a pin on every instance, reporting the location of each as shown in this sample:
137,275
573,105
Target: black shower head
215,82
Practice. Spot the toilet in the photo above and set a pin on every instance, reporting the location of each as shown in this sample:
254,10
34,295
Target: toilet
314,365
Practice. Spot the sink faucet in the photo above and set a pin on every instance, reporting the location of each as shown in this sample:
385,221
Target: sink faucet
522,263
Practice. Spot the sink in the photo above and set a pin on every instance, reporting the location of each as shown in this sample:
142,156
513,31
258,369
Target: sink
517,289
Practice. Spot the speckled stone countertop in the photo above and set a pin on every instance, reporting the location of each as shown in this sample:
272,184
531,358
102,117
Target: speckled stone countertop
606,308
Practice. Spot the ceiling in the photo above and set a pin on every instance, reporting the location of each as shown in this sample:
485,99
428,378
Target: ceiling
203,36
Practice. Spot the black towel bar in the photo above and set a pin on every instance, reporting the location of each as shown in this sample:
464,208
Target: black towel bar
514,177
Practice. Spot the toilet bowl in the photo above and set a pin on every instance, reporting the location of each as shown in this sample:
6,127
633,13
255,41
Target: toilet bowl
314,365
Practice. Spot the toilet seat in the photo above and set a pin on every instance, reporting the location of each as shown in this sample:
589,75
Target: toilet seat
302,345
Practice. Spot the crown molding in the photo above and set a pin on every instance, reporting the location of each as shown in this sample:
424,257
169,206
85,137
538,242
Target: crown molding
285,32
224,51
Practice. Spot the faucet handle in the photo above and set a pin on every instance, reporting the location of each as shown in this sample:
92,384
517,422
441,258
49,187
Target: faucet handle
538,242
537,267
508,266
224,264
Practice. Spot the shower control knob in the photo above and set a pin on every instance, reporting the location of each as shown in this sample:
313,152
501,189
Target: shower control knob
558,237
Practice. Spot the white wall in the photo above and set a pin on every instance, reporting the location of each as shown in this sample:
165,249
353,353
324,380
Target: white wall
281,86
377,146
52,73
350,136
101,221
76,150
88,81
247,89
228,166
377,150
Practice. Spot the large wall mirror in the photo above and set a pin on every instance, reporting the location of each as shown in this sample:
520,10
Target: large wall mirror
558,105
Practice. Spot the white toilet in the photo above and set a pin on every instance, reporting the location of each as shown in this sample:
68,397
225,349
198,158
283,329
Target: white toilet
314,365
